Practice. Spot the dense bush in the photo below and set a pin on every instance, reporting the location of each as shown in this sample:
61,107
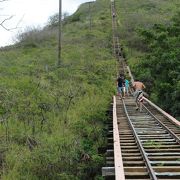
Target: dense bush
161,66
157,44
34,37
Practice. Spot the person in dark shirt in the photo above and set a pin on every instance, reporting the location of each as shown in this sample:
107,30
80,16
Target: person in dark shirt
121,85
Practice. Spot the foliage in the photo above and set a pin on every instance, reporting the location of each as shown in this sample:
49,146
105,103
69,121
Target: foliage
52,118
161,64
135,14
153,53
33,37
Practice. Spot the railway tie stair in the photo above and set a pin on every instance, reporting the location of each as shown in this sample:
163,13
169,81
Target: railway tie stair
161,158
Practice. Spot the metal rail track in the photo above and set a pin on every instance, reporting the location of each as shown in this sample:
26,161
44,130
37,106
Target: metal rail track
160,146
133,160
148,150
163,117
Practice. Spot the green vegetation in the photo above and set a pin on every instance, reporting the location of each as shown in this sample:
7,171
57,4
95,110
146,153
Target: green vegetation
52,119
152,144
161,65
149,30
135,14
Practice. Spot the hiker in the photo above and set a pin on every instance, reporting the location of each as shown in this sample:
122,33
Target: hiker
119,54
127,86
121,86
138,87
114,15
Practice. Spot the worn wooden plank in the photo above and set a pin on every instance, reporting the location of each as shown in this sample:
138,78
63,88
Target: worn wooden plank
108,171
130,74
119,170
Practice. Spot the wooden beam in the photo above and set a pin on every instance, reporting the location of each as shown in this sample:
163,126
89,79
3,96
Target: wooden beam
118,163
108,171
130,74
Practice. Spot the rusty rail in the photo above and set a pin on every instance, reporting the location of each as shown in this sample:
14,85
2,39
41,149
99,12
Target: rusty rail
148,164
175,121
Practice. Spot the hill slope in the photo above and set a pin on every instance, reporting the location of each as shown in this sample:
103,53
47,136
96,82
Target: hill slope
52,118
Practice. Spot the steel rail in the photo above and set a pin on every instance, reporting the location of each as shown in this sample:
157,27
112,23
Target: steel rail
164,126
172,119
151,171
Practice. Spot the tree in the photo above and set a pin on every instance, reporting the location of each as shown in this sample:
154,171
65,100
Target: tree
161,66
2,23
54,19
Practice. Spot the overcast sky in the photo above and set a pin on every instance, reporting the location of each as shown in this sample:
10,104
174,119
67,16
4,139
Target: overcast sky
32,12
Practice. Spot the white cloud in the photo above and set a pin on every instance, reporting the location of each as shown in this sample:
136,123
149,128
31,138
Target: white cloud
35,12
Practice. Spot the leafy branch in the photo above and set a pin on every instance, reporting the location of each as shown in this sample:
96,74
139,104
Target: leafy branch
2,23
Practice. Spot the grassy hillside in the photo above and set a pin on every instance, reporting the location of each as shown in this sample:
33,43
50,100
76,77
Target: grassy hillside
52,119
135,14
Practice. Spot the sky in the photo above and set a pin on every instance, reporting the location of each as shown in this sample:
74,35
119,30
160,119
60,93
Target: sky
30,13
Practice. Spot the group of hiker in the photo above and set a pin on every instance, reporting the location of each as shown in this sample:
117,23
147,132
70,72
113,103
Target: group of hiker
123,87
